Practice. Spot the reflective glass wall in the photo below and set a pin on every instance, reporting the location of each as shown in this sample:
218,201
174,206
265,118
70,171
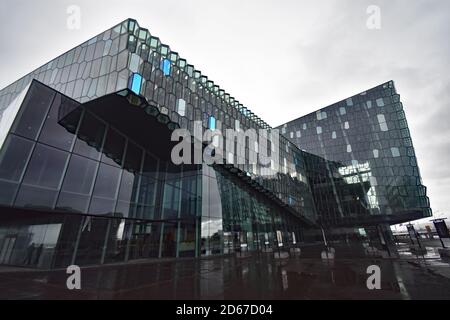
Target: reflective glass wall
81,164
361,160
236,218
76,189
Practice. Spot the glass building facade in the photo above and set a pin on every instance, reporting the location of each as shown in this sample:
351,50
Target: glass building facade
86,175
361,161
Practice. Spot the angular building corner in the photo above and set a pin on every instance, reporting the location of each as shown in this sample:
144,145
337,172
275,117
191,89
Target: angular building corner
86,175
370,173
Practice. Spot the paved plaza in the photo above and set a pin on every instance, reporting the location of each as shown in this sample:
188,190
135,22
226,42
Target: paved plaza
255,277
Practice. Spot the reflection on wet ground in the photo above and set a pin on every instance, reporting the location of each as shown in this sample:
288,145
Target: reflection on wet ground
256,277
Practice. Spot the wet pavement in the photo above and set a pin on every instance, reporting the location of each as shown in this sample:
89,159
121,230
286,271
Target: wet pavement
256,277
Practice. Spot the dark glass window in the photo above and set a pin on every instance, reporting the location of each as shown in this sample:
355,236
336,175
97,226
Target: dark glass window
92,240
54,133
169,240
69,232
186,246
171,202
31,239
33,111
150,168
36,197
116,245
90,137
46,167
188,205
13,157
124,209
72,202
113,148
147,205
127,194
173,175
145,238
69,114
107,181
128,187
215,201
101,206
133,158
80,175
7,192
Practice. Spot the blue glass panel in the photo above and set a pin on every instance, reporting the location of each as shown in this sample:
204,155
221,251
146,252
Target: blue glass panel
136,81
212,123
166,67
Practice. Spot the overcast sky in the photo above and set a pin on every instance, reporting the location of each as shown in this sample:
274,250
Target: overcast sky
282,59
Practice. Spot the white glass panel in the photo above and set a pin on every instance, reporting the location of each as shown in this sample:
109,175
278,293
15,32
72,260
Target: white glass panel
395,152
181,107
380,102
375,153
349,148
